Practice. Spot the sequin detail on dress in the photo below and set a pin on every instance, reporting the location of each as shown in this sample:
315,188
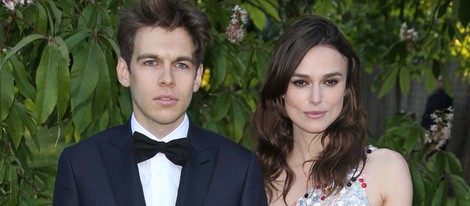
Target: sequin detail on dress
354,194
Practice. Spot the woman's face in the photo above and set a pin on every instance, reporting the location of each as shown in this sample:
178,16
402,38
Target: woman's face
314,97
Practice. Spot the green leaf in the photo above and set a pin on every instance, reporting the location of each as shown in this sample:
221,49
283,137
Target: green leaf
22,26
84,75
404,80
220,68
261,64
446,81
412,138
323,7
418,185
438,164
390,80
40,18
82,117
16,126
22,78
89,15
3,169
47,84
103,120
438,196
63,60
237,119
69,133
453,162
77,38
124,101
25,116
14,190
7,93
66,6
464,15
443,8
113,45
57,14
256,15
398,49
236,70
430,79
24,41
270,7
460,189
221,107
103,87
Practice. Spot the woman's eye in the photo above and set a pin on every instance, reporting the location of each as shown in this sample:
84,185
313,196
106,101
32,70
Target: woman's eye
299,83
331,82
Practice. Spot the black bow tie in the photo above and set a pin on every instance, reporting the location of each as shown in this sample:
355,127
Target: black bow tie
145,148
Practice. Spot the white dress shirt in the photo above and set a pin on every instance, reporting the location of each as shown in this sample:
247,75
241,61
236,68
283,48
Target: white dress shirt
160,178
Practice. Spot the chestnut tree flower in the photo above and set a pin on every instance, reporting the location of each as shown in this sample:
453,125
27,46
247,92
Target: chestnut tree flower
235,30
409,35
11,4
439,133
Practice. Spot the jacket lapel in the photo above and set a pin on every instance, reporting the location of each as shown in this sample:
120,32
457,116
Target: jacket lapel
197,173
121,168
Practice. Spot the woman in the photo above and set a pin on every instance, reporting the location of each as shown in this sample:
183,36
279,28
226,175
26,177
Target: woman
311,126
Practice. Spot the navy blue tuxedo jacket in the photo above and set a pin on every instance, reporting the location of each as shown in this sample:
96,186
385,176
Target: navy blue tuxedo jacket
102,171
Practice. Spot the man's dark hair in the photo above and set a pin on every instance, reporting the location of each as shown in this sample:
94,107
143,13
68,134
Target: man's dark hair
169,14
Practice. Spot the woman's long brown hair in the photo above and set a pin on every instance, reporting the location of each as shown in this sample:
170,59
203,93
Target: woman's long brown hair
344,149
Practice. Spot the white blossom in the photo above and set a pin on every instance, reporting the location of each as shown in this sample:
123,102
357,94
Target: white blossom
408,34
235,30
440,131
11,4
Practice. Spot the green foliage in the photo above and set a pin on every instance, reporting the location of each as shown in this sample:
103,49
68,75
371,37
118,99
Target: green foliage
58,84
434,172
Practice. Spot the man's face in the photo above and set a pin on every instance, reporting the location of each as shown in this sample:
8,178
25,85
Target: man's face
162,77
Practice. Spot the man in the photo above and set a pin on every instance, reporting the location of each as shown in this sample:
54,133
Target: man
162,46
438,100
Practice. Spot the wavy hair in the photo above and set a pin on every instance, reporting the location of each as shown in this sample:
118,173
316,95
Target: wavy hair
169,14
344,149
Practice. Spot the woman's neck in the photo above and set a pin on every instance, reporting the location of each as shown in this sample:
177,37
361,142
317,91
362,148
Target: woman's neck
306,147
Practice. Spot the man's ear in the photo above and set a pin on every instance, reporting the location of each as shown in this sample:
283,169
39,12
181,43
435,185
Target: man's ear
198,78
122,70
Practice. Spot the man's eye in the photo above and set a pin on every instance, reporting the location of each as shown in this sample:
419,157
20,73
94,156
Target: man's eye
150,63
181,66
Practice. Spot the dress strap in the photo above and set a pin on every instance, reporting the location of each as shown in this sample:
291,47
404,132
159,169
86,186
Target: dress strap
370,149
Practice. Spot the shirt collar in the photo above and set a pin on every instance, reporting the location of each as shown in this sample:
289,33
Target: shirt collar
180,132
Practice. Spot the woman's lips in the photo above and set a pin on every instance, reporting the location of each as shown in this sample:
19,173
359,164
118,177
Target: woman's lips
315,114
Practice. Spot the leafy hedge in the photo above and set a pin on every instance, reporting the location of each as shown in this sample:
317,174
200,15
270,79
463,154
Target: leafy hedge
58,81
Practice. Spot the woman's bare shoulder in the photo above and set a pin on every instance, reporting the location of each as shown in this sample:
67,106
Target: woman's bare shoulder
386,157
389,178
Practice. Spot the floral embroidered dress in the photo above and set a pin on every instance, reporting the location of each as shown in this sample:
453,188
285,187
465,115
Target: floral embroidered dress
354,194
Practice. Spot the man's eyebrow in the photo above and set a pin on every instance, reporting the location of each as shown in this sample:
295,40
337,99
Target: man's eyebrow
185,58
145,56
154,56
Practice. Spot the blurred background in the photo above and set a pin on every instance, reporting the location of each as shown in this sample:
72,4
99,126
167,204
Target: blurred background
58,84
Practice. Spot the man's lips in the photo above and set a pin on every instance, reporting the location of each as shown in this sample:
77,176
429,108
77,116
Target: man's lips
166,99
